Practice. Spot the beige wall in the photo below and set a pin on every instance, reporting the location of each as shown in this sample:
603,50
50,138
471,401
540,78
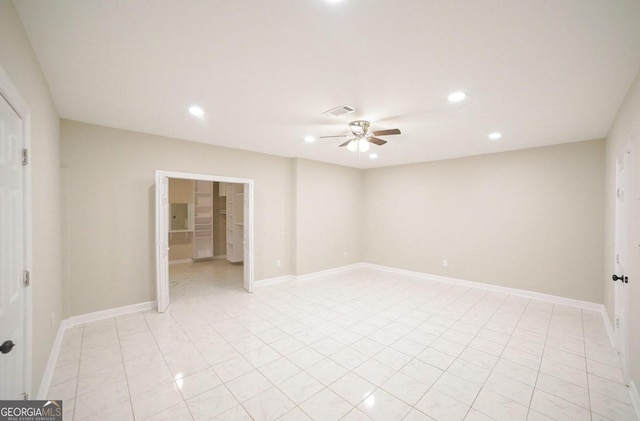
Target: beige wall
327,215
111,208
19,62
530,219
626,129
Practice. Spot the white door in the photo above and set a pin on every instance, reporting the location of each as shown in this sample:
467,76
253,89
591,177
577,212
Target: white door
622,228
248,230
12,255
162,242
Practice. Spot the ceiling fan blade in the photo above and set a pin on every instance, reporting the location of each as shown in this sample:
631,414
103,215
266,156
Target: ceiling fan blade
376,141
346,143
386,132
339,135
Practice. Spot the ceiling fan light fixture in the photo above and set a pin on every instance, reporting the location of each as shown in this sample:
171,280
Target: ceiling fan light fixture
456,96
362,137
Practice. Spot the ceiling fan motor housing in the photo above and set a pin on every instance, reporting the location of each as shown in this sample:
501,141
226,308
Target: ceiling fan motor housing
359,127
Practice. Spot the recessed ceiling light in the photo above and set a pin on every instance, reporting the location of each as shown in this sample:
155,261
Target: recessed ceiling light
495,136
196,111
309,139
373,155
456,96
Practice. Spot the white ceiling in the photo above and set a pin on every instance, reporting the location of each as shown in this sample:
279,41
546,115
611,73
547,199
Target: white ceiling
541,72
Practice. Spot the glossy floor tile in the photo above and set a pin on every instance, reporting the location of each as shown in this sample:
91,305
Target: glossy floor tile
187,280
355,346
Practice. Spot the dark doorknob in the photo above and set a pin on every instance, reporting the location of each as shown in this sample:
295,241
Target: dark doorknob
620,278
7,346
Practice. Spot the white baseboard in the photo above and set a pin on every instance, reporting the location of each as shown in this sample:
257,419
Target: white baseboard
65,324
587,305
112,312
328,272
47,376
177,262
305,277
273,281
635,398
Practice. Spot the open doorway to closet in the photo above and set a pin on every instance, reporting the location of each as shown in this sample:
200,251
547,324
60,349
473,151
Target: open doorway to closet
204,235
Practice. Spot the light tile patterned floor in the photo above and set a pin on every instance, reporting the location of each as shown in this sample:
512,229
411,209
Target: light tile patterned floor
205,277
355,346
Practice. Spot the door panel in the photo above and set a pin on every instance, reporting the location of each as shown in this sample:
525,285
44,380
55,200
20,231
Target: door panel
622,229
248,228
162,242
12,257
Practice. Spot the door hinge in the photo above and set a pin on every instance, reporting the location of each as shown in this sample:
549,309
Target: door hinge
617,323
617,259
26,278
25,157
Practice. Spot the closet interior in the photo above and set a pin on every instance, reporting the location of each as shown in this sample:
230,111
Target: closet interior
206,221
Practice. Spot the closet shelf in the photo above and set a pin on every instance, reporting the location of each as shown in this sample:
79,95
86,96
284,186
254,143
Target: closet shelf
203,234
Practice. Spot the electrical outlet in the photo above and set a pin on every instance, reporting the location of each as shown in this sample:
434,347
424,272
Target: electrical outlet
445,263
278,263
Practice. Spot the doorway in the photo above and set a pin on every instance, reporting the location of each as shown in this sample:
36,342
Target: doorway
621,262
15,244
206,227
191,223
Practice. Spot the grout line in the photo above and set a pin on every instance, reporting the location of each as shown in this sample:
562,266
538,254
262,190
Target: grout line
124,367
544,347
500,356
586,366
75,397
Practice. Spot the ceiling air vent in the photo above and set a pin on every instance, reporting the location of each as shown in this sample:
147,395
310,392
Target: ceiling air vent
341,110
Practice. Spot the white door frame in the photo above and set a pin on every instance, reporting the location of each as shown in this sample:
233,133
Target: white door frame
622,257
162,230
11,94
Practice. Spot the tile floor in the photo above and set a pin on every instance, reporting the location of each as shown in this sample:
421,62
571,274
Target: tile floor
188,280
356,346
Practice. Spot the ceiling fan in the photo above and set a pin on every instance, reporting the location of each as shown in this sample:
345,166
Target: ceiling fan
362,137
